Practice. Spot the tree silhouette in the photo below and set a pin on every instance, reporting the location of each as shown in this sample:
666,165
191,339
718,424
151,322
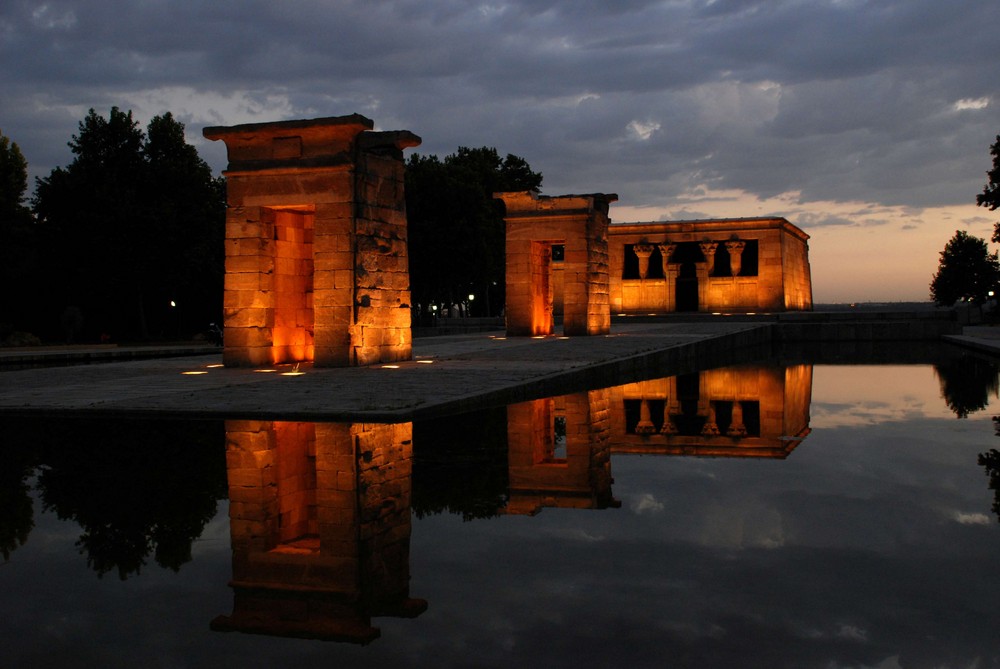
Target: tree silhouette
967,383
135,487
16,509
456,228
134,222
990,461
460,465
967,271
18,259
990,197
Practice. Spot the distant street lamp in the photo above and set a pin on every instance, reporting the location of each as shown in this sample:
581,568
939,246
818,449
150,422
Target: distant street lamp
177,317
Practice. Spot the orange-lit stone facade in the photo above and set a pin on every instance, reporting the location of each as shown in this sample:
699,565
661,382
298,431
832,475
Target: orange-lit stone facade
750,411
320,525
579,225
730,265
316,253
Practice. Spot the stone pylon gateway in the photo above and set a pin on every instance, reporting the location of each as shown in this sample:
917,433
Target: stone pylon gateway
579,225
316,254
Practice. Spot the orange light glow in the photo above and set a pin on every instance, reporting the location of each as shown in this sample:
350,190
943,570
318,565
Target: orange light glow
266,371
390,366
193,373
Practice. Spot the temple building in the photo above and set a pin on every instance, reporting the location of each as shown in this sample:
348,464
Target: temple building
566,261
719,265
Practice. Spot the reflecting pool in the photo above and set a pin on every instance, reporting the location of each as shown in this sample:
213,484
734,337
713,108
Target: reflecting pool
780,515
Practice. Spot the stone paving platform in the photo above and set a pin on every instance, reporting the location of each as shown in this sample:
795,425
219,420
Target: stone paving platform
448,375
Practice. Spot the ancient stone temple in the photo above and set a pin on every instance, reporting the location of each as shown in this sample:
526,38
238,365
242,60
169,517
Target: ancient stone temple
316,254
724,265
576,226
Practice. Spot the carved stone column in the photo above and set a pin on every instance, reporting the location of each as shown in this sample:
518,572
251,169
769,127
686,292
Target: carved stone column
645,424
702,271
735,249
710,427
666,250
708,249
668,427
671,271
643,251
736,427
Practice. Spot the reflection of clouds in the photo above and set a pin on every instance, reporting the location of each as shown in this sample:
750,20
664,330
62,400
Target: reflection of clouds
855,395
853,633
748,525
645,503
575,534
971,518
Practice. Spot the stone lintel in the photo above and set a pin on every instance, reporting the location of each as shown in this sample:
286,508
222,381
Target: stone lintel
529,203
292,127
390,142
254,146
718,229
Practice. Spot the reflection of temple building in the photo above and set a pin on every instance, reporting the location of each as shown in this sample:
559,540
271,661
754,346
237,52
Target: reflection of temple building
751,411
744,264
320,524
559,453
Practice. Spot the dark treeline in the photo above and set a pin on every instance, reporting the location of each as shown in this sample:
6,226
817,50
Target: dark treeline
126,242
456,228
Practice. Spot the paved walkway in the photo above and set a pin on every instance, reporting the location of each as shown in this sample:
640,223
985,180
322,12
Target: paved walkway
448,375
985,338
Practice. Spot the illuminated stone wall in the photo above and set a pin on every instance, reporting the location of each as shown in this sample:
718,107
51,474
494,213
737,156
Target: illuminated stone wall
316,254
534,224
750,411
727,265
320,527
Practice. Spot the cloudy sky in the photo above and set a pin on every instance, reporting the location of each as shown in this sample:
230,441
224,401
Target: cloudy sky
868,124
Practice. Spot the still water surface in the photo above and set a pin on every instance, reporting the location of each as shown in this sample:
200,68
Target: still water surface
610,528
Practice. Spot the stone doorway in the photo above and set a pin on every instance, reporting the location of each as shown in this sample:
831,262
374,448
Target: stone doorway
687,257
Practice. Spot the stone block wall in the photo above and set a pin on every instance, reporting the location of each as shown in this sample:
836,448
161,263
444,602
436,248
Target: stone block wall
796,273
316,254
534,224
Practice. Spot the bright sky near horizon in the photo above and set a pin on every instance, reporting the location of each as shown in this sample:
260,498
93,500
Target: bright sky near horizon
865,123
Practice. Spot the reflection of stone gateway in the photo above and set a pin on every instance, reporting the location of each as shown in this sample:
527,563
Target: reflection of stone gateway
320,524
578,476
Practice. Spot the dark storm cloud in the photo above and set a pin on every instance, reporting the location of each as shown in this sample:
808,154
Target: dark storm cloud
838,100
